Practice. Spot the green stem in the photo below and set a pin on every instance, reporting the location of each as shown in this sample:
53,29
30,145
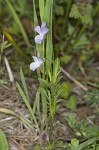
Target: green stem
51,129
52,113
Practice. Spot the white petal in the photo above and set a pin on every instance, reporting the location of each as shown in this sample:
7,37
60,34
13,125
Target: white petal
43,24
40,60
44,30
37,29
39,38
34,66
35,58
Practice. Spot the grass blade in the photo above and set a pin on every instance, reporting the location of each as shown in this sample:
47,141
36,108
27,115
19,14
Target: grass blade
9,37
35,15
48,19
8,111
44,104
41,8
3,141
27,104
24,83
37,101
18,22
47,11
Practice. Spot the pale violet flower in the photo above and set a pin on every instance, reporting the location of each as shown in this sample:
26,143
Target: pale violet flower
41,31
37,62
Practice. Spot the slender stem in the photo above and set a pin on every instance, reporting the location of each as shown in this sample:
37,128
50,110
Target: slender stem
52,113
51,129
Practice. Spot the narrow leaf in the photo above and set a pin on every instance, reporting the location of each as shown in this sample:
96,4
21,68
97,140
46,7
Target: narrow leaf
35,15
41,7
9,37
27,103
8,111
3,141
24,83
18,22
47,11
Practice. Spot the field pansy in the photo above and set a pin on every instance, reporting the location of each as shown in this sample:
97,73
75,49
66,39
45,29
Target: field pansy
37,62
41,31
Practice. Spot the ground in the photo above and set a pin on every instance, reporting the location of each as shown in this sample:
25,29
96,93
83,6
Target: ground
19,135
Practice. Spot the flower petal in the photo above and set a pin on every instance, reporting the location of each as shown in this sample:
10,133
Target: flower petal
43,24
39,38
44,30
37,29
34,66
40,60
35,58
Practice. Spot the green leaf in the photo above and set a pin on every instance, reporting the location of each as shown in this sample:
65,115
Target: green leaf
83,11
47,11
24,8
97,147
87,20
18,22
48,20
43,82
3,141
9,37
41,7
5,45
71,119
66,89
83,145
74,143
49,50
37,102
44,103
72,102
83,41
44,91
36,147
27,103
8,111
59,10
35,15
66,59
43,85
74,13
56,71
70,29
24,83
